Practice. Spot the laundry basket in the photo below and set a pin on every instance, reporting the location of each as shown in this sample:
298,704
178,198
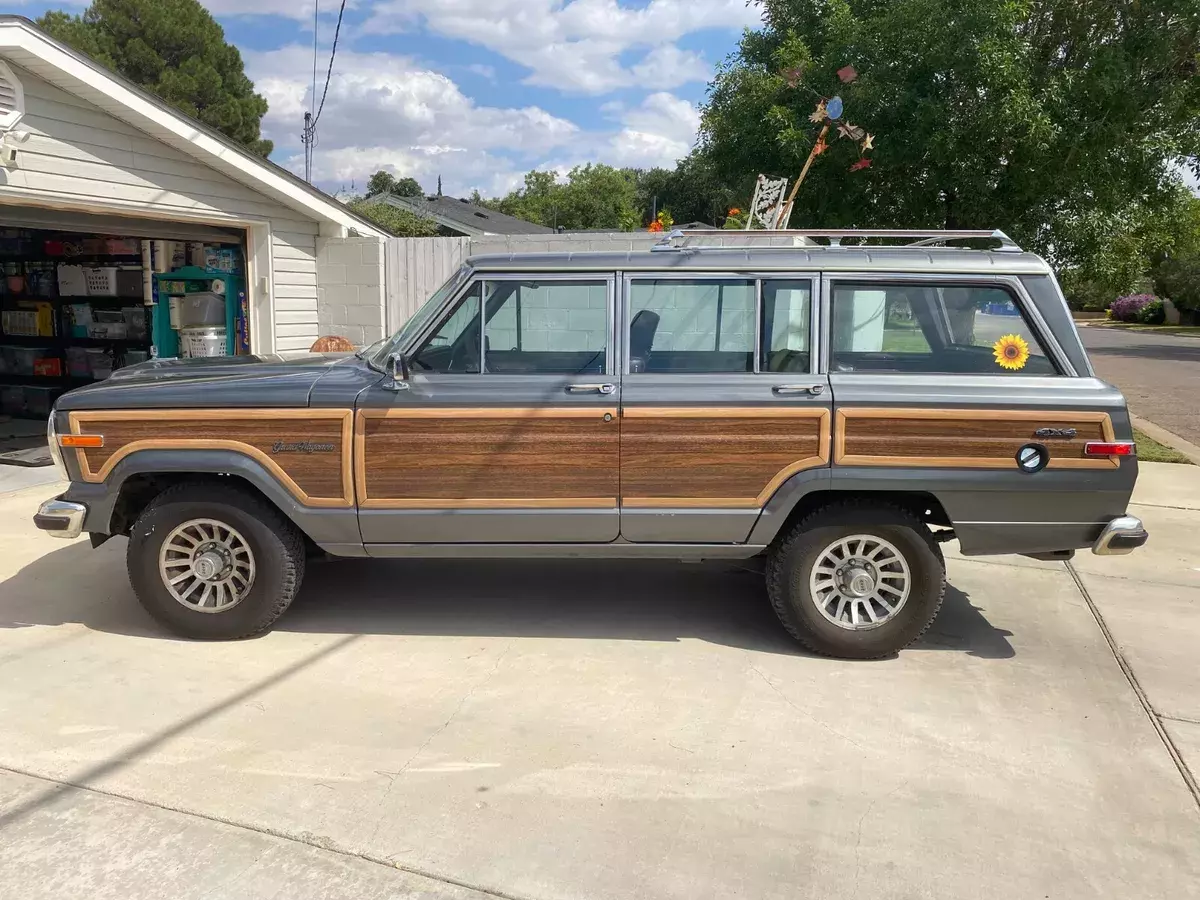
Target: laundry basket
202,342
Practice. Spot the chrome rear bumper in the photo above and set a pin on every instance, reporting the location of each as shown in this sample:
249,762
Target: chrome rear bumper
1123,534
61,518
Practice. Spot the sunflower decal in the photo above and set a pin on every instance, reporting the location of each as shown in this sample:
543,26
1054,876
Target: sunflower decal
1011,352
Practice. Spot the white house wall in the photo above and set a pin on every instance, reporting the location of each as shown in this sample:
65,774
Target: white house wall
79,154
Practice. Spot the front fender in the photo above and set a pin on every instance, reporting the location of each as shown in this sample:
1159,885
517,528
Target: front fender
335,529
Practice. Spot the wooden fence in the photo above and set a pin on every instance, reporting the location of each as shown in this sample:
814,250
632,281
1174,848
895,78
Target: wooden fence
416,267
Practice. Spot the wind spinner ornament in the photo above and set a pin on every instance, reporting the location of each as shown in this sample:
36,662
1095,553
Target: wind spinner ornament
829,113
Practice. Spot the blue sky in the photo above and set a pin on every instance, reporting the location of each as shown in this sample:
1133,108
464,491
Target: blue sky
481,91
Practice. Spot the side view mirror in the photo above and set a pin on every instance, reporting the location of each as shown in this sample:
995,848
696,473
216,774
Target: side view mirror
401,372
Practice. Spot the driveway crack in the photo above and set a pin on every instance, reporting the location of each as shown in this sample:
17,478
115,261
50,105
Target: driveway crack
782,696
1185,773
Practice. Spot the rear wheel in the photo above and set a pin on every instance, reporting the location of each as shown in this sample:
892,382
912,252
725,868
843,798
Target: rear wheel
856,581
212,561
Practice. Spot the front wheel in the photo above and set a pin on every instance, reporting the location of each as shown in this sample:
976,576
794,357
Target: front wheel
856,581
214,562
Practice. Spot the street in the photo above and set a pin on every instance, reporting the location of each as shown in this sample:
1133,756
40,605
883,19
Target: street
619,730
1159,374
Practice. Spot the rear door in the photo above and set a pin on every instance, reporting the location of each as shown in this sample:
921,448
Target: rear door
940,381
507,431
721,402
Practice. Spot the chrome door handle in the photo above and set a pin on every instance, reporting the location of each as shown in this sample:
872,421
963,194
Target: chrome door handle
814,389
591,388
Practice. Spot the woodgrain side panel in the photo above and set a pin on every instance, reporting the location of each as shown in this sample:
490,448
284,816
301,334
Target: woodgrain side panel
964,438
487,458
731,457
319,478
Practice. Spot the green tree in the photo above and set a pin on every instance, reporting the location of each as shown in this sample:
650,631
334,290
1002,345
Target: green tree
384,182
400,222
1027,115
594,196
693,190
176,50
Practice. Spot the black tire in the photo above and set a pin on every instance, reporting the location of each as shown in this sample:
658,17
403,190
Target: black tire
277,546
794,554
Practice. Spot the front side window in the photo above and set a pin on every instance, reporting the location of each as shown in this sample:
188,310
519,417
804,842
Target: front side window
932,328
529,327
549,327
453,347
684,326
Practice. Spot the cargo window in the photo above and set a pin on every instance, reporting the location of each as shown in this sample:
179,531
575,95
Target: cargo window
686,326
932,328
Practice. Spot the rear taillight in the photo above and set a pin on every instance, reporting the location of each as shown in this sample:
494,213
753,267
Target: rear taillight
1108,448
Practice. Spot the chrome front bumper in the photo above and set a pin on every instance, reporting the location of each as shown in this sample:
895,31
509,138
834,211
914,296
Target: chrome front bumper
1123,534
61,518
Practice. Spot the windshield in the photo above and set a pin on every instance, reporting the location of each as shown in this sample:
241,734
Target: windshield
377,354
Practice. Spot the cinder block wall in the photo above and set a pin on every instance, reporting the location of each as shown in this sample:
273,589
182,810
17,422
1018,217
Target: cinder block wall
350,288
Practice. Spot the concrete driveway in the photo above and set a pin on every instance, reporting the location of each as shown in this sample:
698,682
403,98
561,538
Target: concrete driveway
582,730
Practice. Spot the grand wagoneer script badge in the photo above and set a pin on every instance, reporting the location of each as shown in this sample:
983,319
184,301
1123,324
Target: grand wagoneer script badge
301,447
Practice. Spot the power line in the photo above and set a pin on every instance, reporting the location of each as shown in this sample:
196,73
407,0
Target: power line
329,72
305,136
309,136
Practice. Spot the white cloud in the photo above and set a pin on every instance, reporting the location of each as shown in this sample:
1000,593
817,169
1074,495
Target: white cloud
390,112
387,111
657,133
576,46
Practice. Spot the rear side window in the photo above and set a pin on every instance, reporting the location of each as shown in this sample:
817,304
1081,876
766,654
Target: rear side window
682,326
932,328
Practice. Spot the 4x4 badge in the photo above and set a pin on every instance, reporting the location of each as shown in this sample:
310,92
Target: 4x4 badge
1055,433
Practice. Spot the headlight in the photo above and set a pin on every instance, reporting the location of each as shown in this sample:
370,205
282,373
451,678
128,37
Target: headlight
55,450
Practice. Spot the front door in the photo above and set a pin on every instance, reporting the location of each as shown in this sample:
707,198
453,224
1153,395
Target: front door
720,403
507,431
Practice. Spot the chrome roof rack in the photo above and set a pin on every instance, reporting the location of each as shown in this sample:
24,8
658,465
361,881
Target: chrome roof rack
914,237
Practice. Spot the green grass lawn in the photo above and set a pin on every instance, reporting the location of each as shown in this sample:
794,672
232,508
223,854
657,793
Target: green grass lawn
1150,450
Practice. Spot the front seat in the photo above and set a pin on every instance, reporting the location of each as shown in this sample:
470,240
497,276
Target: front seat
641,339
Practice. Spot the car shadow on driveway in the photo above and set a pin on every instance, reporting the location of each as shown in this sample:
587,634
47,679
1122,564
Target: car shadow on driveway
636,600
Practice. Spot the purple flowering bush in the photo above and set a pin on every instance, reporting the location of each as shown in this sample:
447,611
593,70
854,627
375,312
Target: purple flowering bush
1126,309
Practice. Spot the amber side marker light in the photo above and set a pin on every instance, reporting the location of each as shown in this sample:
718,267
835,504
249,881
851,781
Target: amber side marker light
85,441
1108,448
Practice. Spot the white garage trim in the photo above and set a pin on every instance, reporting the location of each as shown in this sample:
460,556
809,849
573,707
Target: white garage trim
31,48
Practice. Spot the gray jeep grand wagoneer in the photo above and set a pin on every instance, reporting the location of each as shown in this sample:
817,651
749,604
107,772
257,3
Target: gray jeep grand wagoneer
837,410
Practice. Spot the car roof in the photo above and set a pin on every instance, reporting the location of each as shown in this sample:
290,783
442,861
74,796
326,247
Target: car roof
931,260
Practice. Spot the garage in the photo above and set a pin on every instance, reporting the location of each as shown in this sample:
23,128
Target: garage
130,231
81,299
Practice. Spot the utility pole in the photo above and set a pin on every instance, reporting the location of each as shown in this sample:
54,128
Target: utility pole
306,140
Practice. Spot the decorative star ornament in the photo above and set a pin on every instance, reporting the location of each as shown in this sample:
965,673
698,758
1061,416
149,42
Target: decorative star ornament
793,75
861,164
819,113
853,132
869,143
847,74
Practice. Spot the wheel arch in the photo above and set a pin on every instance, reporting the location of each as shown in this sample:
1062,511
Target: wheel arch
800,496
138,478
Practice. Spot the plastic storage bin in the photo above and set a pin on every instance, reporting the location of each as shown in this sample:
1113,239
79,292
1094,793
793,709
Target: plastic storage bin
39,400
100,362
101,282
71,281
201,310
135,322
78,365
